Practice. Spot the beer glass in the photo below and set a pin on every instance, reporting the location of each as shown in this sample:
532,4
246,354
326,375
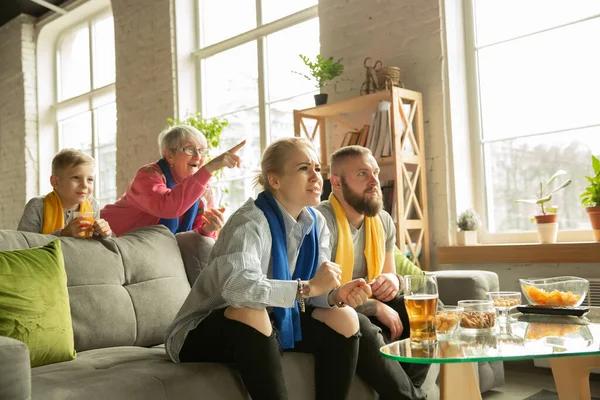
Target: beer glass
421,298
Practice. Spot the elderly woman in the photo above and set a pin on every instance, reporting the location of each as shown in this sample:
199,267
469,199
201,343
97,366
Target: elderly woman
169,191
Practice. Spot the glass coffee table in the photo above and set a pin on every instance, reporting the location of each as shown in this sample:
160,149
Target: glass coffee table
571,343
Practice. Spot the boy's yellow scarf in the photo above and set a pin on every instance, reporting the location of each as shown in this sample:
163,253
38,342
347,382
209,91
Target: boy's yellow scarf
374,243
54,216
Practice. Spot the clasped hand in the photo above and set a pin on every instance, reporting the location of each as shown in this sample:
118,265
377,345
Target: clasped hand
328,277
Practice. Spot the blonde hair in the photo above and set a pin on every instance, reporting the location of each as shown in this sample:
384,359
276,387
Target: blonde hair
173,136
69,158
275,156
342,154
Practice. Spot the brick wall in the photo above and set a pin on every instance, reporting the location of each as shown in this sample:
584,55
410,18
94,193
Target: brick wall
18,119
145,81
406,34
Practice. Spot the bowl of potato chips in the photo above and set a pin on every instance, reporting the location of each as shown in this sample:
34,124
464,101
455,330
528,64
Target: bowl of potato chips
561,291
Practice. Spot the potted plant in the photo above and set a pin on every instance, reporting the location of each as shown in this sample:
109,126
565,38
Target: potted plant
322,72
547,226
590,198
211,128
468,222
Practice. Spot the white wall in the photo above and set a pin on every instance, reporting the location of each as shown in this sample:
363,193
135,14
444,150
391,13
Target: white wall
407,34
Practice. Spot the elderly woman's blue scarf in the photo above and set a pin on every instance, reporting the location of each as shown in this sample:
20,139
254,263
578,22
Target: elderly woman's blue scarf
190,215
287,320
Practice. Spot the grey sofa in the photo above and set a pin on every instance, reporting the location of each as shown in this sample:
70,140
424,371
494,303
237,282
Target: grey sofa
123,294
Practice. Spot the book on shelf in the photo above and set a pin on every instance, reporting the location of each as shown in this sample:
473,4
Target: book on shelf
363,136
350,138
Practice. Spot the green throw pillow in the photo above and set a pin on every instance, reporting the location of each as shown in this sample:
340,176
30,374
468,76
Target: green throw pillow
34,302
403,264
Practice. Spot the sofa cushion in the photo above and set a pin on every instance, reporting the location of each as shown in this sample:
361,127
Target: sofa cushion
34,302
195,251
123,291
147,373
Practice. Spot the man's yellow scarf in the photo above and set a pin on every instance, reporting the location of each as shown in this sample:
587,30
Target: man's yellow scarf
374,243
54,216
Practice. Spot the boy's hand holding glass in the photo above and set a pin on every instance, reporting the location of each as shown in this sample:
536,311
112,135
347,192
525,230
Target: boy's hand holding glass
101,228
79,227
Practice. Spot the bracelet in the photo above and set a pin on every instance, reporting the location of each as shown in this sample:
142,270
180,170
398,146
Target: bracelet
301,290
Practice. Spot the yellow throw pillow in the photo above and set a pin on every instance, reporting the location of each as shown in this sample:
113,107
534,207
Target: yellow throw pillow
34,302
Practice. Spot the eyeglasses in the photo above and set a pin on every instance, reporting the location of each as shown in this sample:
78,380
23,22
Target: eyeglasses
191,151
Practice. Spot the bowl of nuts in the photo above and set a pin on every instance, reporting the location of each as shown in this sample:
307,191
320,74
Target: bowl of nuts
505,300
478,316
446,321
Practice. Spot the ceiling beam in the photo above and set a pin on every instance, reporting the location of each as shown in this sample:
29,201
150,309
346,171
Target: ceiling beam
50,6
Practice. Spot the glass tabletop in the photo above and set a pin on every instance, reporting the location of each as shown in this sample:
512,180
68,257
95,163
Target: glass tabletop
524,336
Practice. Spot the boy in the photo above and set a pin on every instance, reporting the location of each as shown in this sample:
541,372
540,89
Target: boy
73,182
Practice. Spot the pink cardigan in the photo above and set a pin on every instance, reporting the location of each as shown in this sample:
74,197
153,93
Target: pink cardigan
148,199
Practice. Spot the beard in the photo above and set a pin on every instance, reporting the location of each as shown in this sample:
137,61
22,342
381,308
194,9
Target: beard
369,207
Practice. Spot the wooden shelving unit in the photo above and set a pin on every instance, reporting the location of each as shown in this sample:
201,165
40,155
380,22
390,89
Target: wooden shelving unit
406,167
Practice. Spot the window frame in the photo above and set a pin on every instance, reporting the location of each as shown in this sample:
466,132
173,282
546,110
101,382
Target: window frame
481,203
258,34
87,99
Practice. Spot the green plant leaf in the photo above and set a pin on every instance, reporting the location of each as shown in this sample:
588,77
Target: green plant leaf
562,186
530,201
543,200
552,209
596,165
553,177
322,70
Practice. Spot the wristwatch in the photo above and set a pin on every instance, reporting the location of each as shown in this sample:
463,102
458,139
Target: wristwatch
338,304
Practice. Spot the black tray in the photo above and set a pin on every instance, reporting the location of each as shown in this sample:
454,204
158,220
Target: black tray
549,310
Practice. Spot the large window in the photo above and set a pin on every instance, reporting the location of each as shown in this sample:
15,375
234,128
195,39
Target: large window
534,71
245,63
85,100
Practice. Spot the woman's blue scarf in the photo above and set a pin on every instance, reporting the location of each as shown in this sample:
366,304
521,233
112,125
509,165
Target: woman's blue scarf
190,215
287,320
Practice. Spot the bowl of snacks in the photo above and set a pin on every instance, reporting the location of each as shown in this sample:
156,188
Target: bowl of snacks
562,291
504,300
478,316
446,321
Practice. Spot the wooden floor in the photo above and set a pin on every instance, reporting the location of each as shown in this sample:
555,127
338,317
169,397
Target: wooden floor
523,379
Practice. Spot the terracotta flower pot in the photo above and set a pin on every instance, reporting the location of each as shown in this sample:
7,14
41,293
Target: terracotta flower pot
594,214
545,218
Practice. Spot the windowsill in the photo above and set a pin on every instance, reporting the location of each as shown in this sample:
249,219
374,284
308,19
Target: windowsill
526,253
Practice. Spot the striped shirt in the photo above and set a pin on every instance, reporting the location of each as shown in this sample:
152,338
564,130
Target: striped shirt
239,271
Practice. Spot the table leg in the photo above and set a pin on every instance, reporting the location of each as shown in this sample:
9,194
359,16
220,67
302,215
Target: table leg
572,376
459,382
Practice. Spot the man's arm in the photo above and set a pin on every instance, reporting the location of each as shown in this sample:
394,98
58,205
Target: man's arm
369,308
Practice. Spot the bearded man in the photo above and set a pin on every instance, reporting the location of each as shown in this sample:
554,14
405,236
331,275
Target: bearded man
362,238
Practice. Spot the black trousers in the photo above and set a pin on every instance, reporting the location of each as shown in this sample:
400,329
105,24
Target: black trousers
258,357
395,380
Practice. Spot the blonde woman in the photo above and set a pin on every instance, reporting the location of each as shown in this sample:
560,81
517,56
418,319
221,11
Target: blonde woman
269,285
